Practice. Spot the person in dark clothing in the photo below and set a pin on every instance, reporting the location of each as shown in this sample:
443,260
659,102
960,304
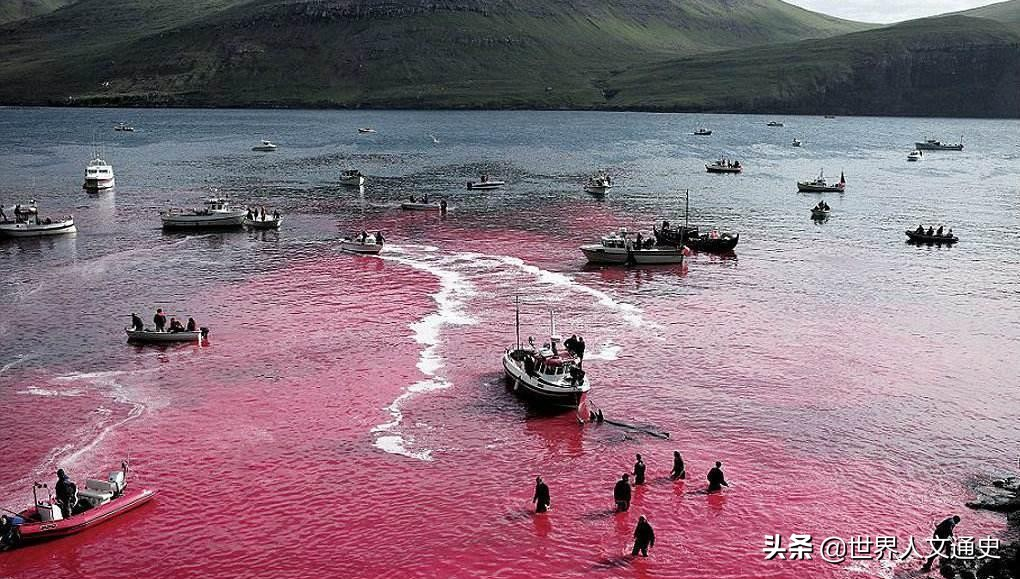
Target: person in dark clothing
644,537
639,471
622,493
136,323
159,320
930,231
942,541
679,470
176,325
571,344
67,493
379,238
580,350
192,326
716,478
938,232
541,498
919,230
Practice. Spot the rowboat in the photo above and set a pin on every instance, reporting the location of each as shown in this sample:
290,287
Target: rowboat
774,124
150,336
915,237
599,184
820,214
369,244
99,501
264,147
365,130
485,183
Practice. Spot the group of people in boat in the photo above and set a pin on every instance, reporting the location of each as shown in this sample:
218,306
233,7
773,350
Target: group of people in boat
935,233
24,215
363,237
159,320
424,199
641,242
822,206
727,163
644,535
259,214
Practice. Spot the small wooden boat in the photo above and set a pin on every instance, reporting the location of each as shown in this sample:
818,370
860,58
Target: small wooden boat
819,185
369,244
915,155
722,166
352,178
915,237
702,132
268,222
99,501
151,336
485,183
264,147
820,214
936,145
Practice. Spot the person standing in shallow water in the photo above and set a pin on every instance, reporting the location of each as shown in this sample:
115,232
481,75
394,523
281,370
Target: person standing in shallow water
622,493
716,478
941,542
541,498
644,537
639,471
679,470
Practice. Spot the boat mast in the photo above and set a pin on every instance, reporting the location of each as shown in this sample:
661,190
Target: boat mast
517,308
687,210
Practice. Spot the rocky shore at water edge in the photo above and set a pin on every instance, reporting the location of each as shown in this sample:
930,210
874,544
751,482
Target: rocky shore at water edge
1003,496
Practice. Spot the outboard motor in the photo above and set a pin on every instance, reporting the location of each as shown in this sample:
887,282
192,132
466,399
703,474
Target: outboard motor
9,530
205,331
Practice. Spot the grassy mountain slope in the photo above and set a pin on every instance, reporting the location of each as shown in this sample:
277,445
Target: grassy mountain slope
11,10
1008,11
375,52
951,65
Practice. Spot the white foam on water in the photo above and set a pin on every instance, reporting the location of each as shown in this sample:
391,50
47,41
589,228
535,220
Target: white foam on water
454,290
15,363
607,352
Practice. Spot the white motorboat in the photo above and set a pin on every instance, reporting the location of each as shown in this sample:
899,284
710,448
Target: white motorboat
724,166
352,178
365,243
98,175
621,248
218,212
424,205
820,185
265,147
915,155
774,124
123,127
27,223
366,130
702,132
151,336
599,184
485,182
550,376
937,145
264,221
796,142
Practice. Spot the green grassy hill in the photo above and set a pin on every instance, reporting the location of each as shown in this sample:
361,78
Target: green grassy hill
951,65
1002,11
459,53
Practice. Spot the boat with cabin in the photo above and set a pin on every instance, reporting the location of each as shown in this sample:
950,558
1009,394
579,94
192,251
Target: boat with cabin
98,175
265,147
724,166
366,130
352,178
98,501
623,248
124,127
485,182
689,236
936,145
820,185
915,155
217,212
549,376
599,184
27,223
702,132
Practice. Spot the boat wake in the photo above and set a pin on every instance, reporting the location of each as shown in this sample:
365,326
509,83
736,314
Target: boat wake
15,363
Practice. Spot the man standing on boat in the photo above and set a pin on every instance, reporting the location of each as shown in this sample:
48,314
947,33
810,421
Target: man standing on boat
622,493
644,537
136,323
159,320
541,498
67,493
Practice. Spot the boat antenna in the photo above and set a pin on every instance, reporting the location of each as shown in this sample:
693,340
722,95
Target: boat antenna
517,311
687,211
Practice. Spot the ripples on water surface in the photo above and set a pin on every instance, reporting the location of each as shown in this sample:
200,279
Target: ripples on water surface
349,413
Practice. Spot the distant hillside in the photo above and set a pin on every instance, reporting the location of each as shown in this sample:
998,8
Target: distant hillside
11,10
445,53
1003,11
946,66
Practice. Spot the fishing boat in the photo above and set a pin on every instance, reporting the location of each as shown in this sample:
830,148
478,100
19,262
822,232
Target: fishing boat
819,185
914,236
365,243
265,147
352,178
98,175
152,336
366,130
599,184
484,182
217,212
915,155
724,166
702,132
97,502
689,235
123,127
263,221
623,248
774,124
796,142
424,205
936,145
27,223
549,377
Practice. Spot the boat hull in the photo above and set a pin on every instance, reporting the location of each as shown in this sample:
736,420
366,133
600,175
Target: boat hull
98,184
597,190
816,214
264,223
718,169
914,237
362,248
153,337
28,230
540,392
930,147
617,256
34,532
421,207
486,185
352,181
185,221
811,188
